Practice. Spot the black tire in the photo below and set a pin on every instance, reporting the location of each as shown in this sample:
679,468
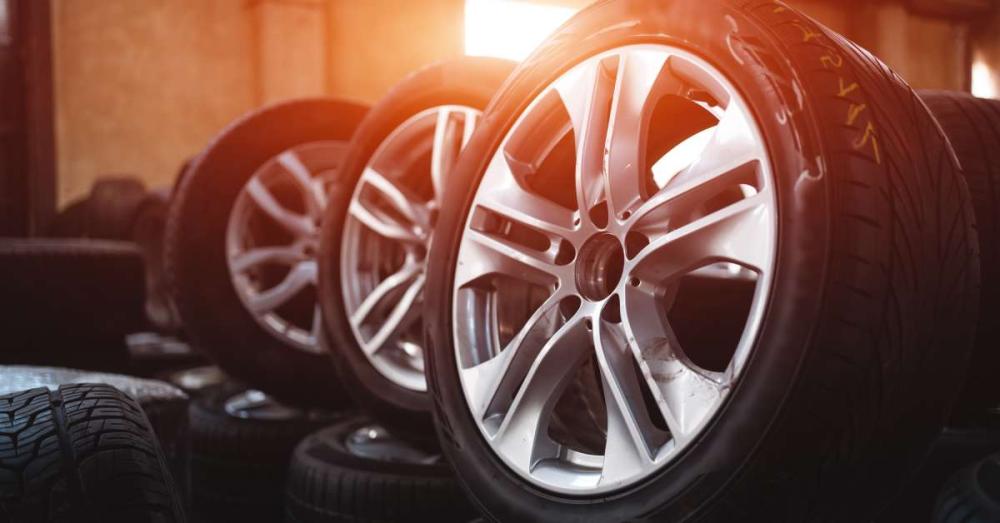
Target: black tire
866,336
973,126
327,482
70,302
238,464
70,222
81,453
470,82
972,495
112,205
195,261
149,223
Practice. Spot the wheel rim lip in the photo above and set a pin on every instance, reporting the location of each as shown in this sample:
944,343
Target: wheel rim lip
238,230
553,477
404,368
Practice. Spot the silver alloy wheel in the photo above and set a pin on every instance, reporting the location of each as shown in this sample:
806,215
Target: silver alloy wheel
386,235
600,259
272,240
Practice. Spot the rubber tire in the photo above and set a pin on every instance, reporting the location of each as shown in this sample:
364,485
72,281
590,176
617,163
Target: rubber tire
165,406
70,302
70,222
471,82
112,205
195,262
972,495
973,126
327,483
238,465
81,453
148,229
873,305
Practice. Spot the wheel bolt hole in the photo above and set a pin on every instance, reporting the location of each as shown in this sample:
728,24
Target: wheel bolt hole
634,282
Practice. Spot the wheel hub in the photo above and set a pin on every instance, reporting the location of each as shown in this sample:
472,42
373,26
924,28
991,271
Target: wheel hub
599,267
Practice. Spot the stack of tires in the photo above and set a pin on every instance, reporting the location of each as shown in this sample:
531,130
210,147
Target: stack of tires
692,260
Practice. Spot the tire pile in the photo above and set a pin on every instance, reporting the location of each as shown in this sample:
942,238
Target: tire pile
694,260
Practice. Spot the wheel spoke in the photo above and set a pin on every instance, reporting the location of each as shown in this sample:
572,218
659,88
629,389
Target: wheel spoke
505,197
498,377
737,234
733,145
632,437
402,316
522,433
638,72
388,286
485,254
586,92
449,141
383,225
311,188
406,205
288,255
688,395
295,223
301,276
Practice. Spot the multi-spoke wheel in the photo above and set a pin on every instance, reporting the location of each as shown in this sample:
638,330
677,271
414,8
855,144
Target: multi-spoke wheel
378,228
673,282
242,240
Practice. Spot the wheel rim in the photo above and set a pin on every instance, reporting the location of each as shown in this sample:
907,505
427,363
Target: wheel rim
272,239
389,224
568,273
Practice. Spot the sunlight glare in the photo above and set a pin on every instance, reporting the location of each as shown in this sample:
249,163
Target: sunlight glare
510,29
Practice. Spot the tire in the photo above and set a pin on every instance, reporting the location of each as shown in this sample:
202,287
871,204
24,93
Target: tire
70,302
973,126
82,453
864,340
70,222
330,482
195,258
467,82
972,495
165,406
147,231
112,205
238,464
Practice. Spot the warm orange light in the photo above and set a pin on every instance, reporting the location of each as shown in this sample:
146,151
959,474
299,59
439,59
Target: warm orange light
984,78
509,28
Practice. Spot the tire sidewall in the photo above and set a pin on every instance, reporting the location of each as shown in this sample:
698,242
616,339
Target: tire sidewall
706,29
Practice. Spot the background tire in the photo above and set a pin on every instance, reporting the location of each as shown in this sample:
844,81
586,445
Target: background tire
147,232
973,126
972,495
70,302
196,265
82,453
112,205
238,464
468,82
872,312
165,406
329,482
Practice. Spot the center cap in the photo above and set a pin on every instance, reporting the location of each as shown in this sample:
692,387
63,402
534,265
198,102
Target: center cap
599,267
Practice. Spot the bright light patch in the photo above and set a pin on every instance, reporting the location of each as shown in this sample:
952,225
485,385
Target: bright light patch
984,81
681,157
509,29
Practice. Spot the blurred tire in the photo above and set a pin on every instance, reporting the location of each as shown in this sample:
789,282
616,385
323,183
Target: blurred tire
355,471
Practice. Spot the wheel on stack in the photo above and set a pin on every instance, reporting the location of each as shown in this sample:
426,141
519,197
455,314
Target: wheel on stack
241,240
377,229
241,440
648,144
